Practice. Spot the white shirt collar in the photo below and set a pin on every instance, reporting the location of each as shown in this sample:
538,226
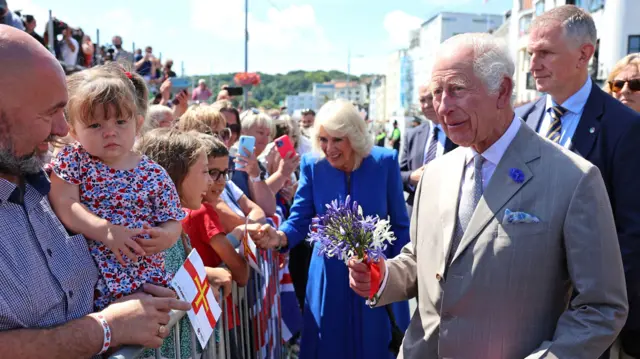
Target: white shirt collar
576,102
494,153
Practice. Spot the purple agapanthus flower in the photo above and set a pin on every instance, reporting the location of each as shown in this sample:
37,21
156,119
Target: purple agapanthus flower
343,232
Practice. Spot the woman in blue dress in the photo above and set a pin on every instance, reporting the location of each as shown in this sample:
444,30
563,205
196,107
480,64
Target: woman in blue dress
337,322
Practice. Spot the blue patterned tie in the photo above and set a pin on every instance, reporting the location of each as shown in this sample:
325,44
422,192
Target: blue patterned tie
555,128
469,199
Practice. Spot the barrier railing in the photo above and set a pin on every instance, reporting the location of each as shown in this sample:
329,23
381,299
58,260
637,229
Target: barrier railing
250,325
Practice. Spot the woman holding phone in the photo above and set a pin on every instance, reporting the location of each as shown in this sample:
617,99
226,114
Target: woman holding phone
251,176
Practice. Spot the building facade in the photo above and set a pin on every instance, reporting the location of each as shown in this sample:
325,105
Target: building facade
377,100
618,35
351,91
301,101
426,40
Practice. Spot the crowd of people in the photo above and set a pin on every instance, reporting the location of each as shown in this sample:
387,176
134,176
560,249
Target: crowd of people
518,238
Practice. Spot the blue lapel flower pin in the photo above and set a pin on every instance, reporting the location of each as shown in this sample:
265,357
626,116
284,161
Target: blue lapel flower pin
516,175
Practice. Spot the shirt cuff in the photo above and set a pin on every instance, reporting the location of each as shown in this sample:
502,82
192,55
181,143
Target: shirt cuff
374,301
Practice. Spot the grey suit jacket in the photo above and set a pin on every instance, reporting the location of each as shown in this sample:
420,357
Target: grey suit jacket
507,292
412,156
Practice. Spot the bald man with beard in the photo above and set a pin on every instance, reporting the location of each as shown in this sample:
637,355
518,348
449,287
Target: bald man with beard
48,276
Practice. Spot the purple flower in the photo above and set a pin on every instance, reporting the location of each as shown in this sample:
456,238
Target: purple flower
343,232
516,175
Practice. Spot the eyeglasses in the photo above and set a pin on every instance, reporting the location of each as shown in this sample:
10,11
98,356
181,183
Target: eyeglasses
234,128
216,175
224,134
616,86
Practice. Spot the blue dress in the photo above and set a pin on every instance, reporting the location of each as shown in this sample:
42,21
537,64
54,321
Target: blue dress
337,322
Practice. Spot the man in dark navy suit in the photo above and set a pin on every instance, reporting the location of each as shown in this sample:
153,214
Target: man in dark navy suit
578,115
423,143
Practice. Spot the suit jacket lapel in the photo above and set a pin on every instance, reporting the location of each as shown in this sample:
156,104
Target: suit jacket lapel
589,125
449,197
524,148
534,118
420,143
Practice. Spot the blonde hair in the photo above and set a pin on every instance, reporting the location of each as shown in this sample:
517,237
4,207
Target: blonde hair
174,150
201,118
97,87
248,119
341,119
629,60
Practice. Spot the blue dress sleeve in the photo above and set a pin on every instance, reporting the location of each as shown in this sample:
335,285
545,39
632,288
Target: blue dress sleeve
303,209
398,216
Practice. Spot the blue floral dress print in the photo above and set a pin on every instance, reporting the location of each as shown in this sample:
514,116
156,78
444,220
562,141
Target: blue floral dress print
131,198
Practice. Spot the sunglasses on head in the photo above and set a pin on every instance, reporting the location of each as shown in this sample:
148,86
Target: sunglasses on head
217,174
618,85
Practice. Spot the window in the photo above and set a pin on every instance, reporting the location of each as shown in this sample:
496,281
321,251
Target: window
525,22
539,7
634,44
531,82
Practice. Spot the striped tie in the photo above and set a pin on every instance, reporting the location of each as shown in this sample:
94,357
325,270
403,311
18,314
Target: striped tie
555,129
433,146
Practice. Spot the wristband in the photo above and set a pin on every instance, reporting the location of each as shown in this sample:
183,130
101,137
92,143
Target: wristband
106,341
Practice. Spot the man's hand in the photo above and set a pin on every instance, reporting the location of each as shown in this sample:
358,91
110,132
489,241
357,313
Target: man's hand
165,91
360,276
219,278
120,240
140,319
181,103
415,176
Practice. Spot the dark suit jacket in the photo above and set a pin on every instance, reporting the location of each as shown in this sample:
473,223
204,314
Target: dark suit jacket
413,154
608,135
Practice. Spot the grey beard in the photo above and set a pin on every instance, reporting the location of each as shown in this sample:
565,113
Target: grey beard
20,166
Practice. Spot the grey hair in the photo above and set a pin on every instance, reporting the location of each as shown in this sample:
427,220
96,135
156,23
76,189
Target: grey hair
577,23
491,59
155,114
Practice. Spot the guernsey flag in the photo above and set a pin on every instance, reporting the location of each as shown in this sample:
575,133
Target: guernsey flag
191,284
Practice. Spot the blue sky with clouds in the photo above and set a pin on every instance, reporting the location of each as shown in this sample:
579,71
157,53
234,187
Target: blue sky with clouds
285,35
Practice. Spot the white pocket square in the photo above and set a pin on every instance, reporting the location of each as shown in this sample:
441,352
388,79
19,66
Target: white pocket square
518,217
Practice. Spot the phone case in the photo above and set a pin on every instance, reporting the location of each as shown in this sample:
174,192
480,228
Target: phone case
284,145
246,145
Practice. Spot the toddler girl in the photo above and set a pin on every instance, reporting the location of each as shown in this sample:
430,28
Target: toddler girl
125,204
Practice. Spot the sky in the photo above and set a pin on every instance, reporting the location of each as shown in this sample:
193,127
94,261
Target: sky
207,36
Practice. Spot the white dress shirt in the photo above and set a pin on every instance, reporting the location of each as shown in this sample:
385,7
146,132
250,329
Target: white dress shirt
492,157
574,106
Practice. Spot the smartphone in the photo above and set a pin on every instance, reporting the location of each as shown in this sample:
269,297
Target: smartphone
284,145
235,91
246,145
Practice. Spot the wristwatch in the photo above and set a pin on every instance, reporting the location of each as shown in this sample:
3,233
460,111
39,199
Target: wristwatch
261,177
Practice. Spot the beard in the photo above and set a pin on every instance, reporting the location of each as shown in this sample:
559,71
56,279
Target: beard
13,165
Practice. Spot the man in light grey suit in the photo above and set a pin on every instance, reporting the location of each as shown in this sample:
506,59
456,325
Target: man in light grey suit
505,228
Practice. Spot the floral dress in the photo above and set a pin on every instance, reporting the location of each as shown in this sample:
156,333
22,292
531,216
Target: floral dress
131,198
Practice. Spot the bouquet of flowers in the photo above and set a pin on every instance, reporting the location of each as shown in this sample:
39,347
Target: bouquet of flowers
344,232
247,79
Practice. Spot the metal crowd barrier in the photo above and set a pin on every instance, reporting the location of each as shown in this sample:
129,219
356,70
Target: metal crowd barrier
255,307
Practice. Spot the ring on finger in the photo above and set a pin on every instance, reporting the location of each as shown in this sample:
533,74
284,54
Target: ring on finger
162,330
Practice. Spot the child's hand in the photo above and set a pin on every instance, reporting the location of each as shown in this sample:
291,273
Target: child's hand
120,240
160,239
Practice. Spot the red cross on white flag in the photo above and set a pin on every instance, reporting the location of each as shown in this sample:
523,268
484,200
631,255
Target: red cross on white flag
191,284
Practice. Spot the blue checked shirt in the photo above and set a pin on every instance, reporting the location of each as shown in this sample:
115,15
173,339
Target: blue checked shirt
47,277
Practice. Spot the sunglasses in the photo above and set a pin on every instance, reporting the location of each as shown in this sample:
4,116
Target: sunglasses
234,128
224,134
216,175
616,86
